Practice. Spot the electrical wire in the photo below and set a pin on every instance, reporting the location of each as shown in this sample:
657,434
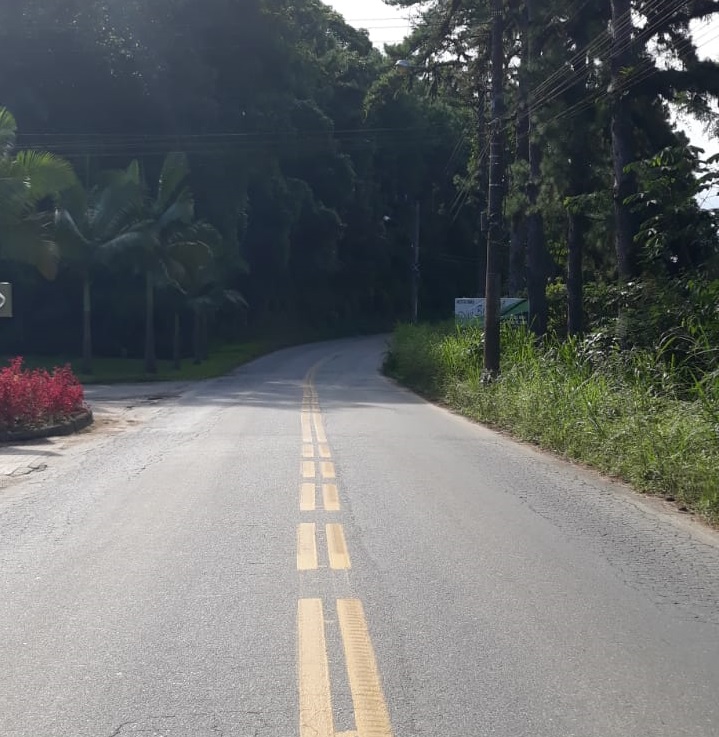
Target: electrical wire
598,46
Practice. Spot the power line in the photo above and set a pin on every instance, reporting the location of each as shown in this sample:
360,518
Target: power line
646,70
602,43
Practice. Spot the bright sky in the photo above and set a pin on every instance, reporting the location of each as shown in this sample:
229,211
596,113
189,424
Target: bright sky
386,24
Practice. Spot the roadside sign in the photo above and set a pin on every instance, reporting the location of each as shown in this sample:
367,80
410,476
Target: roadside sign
472,308
5,299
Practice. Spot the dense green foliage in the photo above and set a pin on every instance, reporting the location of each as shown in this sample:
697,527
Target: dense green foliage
311,193
633,414
186,172
598,186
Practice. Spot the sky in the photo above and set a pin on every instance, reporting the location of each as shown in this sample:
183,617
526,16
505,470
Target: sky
385,24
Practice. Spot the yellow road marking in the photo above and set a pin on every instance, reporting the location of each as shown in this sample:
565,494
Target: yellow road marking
371,714
330,498
308,450
314,673
306,547
308,469
307,498
325,451
328,469
319,427
306,429
337,548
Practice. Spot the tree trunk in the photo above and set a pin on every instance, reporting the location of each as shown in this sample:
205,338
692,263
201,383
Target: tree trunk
205,337
414,276
493,287
517,255
537,257
518,236
197,337
150,358
622,58
176,343
86,365
577,183
483,174
575,282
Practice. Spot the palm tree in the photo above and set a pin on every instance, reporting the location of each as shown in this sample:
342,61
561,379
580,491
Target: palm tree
89,222
26,179
205,292
193,250
161,239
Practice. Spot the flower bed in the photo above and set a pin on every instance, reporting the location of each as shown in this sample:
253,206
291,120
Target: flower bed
36,398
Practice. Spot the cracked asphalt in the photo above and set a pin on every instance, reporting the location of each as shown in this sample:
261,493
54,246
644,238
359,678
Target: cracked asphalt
148,577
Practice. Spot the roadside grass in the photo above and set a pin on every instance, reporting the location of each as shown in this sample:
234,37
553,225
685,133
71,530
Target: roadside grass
626,414
223,358
131,370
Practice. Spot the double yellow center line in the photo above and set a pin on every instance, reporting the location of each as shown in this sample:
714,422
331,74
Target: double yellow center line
315,692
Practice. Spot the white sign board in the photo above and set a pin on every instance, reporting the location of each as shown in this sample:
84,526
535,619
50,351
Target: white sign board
5,299
472,308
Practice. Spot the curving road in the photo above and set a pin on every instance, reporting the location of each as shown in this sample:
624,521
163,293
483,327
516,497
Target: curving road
304,549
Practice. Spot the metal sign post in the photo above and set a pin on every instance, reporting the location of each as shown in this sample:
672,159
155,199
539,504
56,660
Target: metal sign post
5,299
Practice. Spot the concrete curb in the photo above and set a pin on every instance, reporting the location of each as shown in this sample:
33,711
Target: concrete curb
79,422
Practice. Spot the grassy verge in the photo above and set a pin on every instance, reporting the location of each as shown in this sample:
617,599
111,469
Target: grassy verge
621,413
221,361
131,370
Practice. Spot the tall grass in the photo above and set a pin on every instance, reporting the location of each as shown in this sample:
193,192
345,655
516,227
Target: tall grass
631,414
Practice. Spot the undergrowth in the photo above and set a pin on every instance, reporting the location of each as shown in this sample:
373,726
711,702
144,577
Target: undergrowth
632,414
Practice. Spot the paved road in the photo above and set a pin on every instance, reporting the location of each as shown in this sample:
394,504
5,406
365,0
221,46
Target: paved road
303,549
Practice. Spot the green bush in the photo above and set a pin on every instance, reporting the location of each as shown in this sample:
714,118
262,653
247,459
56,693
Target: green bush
631,414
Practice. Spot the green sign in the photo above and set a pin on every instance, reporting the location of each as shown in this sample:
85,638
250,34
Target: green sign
472,308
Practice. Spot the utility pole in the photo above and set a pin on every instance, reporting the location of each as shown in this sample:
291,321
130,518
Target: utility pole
536,247
415,263
496,195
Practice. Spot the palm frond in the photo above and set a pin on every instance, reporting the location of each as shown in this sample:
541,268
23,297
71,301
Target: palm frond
182,210
45,174
27,242
8,130
14,203
173,178
74,245
132,242
75,201
215,298
195,255
115,207
234,297
133,172
200,233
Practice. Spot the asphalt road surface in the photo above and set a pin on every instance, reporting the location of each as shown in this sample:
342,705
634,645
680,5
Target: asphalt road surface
303,549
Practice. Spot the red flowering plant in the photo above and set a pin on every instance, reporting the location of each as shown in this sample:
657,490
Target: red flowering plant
31,398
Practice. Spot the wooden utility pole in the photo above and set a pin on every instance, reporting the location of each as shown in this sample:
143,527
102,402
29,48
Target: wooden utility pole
496,197
415,263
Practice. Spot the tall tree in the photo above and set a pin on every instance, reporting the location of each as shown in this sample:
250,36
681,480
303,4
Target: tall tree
26,179
88,223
